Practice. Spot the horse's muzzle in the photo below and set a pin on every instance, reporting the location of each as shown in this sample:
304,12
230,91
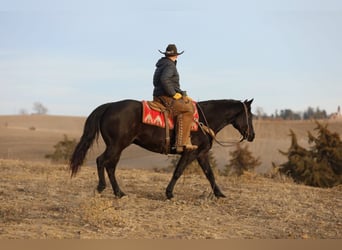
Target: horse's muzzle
250,136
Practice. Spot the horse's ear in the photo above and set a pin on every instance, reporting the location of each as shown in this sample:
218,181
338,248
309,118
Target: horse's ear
249,102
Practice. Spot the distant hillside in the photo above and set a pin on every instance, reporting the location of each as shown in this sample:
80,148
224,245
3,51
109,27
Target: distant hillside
31,137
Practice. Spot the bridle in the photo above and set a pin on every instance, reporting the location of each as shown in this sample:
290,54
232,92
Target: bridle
207,130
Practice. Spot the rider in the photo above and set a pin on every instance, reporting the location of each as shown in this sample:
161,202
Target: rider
167,91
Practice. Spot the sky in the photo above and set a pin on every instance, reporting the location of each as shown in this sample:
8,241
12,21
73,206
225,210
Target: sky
74,55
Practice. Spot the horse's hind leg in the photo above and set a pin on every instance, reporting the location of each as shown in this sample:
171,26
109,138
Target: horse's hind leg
109,161
112,157
100,171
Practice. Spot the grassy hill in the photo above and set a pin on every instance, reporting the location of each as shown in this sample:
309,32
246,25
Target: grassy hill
40,201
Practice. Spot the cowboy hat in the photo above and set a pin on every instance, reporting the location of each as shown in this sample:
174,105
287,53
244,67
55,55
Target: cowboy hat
171,50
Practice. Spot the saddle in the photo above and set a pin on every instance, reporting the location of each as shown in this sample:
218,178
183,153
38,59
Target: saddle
156,114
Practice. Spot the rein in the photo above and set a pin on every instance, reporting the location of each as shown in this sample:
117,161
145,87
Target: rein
207,130
247,121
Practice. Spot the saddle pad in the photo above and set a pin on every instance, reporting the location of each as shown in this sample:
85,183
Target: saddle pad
156,118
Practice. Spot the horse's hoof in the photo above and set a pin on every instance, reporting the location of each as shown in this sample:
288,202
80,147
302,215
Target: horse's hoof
220,195
169,196
100,188
120,194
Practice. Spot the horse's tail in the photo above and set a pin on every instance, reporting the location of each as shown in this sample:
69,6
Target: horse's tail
90,132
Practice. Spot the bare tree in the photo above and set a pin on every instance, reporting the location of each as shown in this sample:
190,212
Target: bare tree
260,113
23,112
39,108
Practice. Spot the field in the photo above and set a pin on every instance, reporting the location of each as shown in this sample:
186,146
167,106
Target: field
31,137
40,200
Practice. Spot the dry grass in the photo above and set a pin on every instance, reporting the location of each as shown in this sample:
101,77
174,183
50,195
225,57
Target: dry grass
41,201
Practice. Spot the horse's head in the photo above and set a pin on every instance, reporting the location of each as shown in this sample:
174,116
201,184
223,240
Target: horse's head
243,122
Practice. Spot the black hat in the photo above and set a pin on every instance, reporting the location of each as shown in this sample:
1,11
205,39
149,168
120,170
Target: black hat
171,50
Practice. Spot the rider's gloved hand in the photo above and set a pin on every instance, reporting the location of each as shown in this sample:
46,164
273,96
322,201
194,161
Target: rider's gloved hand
177,96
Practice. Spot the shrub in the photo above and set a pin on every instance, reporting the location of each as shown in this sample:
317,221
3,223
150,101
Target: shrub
241,160
63,150
319,166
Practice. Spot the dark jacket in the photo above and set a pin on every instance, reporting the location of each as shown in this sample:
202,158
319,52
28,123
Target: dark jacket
166,78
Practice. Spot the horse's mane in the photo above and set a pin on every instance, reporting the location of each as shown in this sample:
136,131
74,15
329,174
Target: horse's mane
221,101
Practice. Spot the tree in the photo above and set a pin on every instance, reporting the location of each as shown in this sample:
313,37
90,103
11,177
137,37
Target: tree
327,147
319,166
241,160
288,114
39,108
311,113
260,114
63,150
23,112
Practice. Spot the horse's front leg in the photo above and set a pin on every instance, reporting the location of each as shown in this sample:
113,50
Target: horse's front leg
183,162
205,165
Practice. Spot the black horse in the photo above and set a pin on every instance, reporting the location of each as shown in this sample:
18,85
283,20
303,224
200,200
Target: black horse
120,124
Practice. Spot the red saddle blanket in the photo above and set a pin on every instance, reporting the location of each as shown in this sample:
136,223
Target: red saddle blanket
156,118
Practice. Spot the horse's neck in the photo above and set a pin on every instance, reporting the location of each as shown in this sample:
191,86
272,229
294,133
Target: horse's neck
219,114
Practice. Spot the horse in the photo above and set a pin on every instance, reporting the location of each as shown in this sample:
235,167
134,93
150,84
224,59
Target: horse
120,124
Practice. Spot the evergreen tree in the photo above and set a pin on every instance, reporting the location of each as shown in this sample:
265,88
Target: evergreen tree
241,160
327,147
63,150
321,165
